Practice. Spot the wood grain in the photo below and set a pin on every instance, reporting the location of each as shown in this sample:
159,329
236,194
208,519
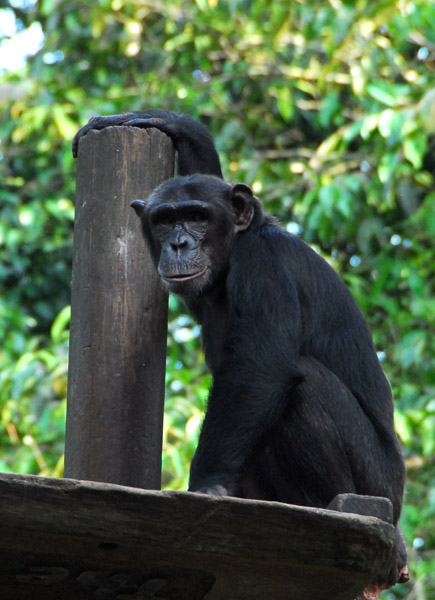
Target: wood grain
71,540
119,313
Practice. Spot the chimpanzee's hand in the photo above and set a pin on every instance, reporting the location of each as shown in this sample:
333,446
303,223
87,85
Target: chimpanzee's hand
192,140
160,119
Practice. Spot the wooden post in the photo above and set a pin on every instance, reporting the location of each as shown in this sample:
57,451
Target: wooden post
119,314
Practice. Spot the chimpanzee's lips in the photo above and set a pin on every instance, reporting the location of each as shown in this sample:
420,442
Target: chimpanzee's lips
182,277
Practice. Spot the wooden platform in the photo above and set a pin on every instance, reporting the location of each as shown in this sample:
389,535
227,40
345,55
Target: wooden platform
75,540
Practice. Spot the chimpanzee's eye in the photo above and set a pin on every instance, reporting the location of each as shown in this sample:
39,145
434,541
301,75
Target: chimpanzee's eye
196,218
163,227
165,222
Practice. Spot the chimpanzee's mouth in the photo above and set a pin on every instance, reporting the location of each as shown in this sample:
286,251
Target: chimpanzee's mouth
181,278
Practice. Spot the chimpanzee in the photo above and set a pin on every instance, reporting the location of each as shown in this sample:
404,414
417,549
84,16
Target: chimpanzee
300,409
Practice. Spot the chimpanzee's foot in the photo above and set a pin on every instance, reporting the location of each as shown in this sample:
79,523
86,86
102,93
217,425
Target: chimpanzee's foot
371,592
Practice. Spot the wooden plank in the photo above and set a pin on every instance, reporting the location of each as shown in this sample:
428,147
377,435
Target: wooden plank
70,540
119,313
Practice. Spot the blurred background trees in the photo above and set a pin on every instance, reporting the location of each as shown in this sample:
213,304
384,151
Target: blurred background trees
327,108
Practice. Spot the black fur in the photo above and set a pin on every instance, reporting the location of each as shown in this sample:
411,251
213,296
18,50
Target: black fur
300,409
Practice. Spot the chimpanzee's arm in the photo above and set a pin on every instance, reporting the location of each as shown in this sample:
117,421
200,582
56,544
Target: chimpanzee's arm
245,403
257,370
192,140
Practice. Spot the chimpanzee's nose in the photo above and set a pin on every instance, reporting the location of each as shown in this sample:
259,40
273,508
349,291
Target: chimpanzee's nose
180,243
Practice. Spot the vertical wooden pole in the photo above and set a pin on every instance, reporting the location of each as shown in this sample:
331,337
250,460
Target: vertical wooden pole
119,314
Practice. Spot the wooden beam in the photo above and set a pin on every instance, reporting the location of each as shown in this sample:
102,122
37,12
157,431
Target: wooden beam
119,314
70,540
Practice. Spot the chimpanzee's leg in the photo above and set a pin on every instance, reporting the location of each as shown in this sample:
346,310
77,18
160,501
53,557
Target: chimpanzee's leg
325,445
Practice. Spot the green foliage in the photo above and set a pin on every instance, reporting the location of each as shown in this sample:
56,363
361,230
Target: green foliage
33,390
326,108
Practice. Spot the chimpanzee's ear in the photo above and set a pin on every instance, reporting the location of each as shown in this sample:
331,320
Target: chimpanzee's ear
242,200
139,206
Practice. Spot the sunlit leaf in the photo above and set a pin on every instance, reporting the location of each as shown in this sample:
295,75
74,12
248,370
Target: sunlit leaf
386,93
285,103
60,323
403,427
67,127
414,148
427,433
